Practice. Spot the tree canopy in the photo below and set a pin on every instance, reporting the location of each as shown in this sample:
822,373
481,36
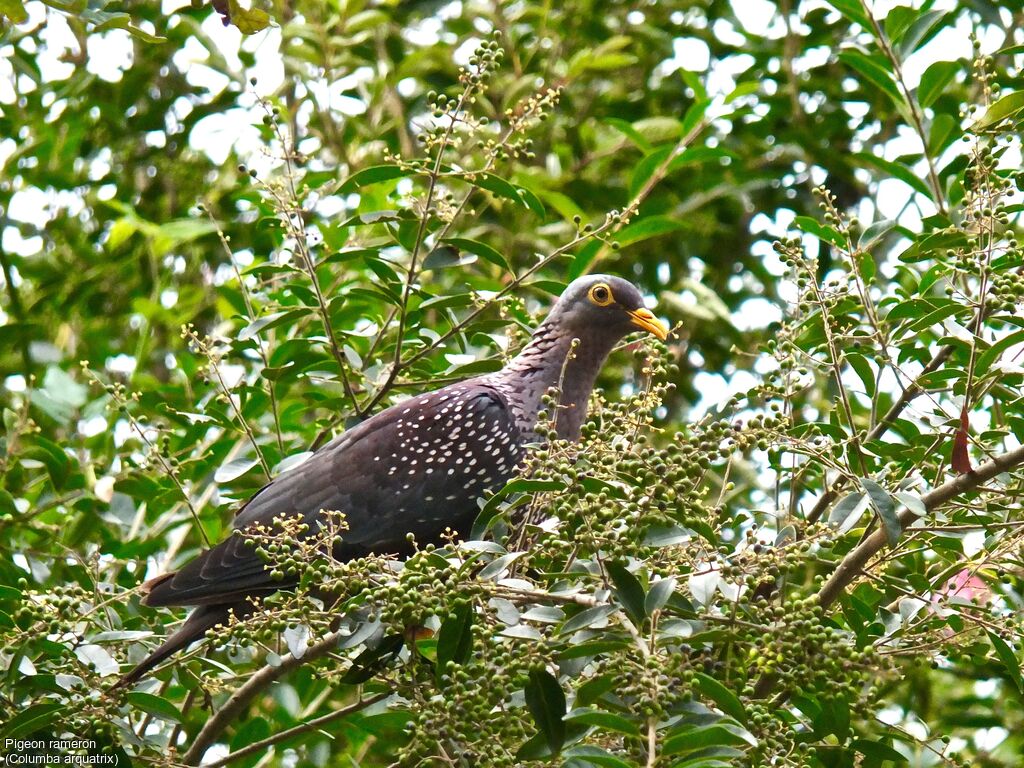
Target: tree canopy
791,535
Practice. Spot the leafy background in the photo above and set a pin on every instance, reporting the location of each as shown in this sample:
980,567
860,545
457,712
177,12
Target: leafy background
170,167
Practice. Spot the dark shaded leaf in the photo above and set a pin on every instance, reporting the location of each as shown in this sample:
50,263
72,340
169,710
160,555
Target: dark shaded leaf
482,250
885,508
628,591
155,705
934,81
726,700
455,639
546,702
1008,659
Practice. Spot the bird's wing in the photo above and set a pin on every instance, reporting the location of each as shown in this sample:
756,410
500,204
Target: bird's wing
417,467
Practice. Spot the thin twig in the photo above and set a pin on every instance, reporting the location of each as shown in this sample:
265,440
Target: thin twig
852,564
298,730
252,688
251,314
915,110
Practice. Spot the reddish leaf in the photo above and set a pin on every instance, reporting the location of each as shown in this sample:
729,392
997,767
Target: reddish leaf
961,459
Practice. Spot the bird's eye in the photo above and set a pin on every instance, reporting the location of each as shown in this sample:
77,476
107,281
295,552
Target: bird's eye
601,295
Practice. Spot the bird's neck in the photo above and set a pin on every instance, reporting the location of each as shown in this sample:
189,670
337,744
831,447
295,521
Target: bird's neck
550,361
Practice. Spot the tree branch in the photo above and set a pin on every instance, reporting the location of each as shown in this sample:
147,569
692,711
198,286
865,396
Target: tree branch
298,730
909,395
855,560
252,687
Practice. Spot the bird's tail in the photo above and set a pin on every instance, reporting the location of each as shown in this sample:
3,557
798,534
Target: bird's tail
195,626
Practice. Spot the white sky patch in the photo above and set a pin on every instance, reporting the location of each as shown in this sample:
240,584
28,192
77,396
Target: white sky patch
92,426
689,53
716,389
756,16
756,313
116,57
121,364
723,73
987,739
426,32
217,134
464,52
726,32
29,205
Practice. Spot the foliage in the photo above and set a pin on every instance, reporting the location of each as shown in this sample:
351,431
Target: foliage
820,567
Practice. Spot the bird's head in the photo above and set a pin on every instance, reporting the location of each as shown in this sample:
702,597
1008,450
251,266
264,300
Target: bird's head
606,304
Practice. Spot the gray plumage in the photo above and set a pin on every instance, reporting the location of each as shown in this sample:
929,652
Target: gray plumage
417,467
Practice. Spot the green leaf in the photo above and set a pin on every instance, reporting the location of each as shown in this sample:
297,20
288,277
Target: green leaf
61,396
852,10
367,663
860,364
373,175
659,594
884,506
934,81
532,201
646,168
605,720
646,228
628,591
13,10
875,70
987,358
592,648
588,617
33,718
233,470
923,29
267,322
912,502
446,255
1008,106
700,737
897,171
875,233
844,508
593,755
627,129
144,36
482,250
944,131
1009,660
726,700
154,705
455,639
821,231
877,751
694,115
176,233
53,457
899,20
546,702
248,20
499,187
498,565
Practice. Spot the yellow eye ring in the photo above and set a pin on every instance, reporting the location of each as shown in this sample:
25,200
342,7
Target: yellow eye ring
601,295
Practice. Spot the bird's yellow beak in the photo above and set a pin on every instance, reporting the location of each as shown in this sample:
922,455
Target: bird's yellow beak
644,318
